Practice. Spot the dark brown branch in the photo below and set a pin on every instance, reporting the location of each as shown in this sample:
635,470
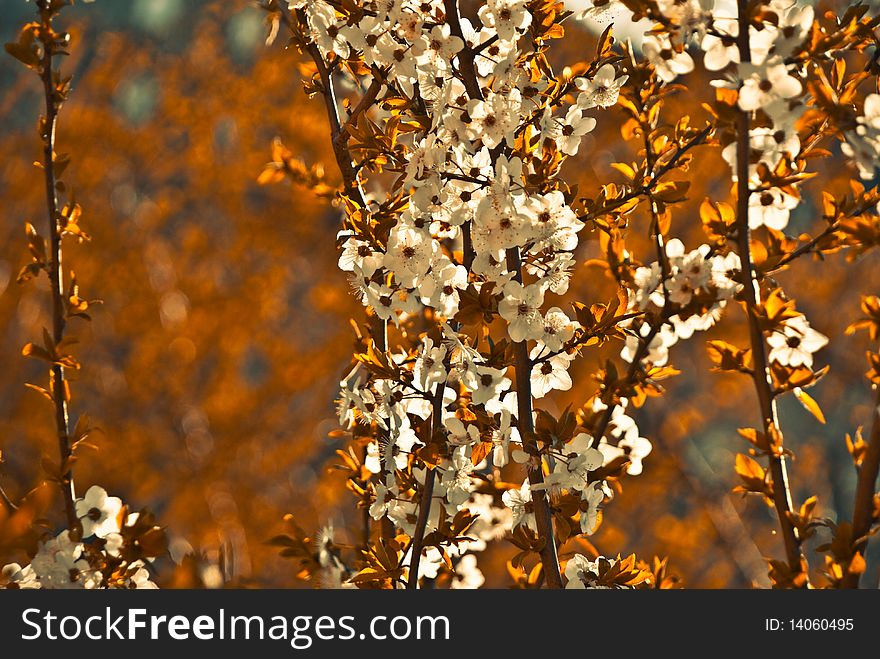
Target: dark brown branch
363,105
466,57
427,495
543,512
468,71
59,386
645,342
379,330
526,426
340,146
863,506
426,498
752,294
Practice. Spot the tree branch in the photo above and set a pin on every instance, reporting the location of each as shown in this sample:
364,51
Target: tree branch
526,426
761,376
466,57
427,495
863,505
59,386
543,512
363,105
648,187
341,152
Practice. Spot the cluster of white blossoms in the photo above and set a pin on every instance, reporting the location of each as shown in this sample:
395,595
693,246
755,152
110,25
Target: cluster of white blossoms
767,83
770,85
689,294
469,191
583,573
64,563
685,295
462,179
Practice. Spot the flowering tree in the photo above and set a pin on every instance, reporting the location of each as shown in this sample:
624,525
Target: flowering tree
461,237
528,221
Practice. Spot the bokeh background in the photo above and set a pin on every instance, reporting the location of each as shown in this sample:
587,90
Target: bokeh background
212,364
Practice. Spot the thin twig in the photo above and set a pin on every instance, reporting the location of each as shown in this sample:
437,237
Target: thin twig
59,386
815,240
648,187
632,372
363,105
803,249
340,147
466,56
418,537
